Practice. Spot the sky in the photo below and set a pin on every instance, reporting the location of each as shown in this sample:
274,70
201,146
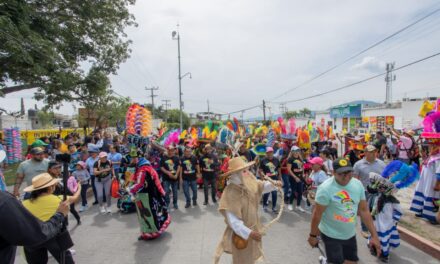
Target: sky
242,52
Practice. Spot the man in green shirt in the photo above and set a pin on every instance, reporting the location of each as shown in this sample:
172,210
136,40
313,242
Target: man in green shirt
339,200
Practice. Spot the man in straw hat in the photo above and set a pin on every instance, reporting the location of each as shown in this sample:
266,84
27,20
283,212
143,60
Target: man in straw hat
239,205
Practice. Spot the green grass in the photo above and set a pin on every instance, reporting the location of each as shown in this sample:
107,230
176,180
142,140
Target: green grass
10,173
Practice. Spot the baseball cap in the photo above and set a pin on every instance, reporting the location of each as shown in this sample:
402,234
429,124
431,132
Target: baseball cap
342,165
295,148
317,160
92,148
102,154
370,148
38,143
37,150
269,149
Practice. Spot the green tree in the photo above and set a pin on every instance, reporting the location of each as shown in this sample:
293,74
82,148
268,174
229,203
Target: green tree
66,49
45,118
290,114
174,118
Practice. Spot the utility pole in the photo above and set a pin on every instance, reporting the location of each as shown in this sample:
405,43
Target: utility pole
283,109
242,117
208,105
264,111
389,78
152,89
166,104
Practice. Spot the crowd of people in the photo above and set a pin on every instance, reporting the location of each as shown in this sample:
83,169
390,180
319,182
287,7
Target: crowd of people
150,176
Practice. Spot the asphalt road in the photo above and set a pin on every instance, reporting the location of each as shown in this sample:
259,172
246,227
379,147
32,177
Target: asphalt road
193,236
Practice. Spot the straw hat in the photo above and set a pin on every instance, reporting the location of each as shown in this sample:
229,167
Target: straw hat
41,181
237,164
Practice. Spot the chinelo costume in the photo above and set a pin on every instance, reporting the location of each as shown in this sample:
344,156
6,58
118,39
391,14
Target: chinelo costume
384,206
150,201
239,206
427,193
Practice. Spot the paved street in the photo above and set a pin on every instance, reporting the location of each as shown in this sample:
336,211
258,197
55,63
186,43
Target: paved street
193,236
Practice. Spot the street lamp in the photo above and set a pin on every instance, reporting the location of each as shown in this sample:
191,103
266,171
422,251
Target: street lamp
176,36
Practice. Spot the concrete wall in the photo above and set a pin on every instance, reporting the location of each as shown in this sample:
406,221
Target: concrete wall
23,123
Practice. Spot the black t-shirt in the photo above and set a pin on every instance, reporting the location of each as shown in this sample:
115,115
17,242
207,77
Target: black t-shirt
189,166
297,166
270,167
101,166
171,164
208,165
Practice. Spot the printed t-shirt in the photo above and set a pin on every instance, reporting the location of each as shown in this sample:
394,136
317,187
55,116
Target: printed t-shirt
102,166
297,166
189,168
171,164
208,164
339,218
44,207
270,167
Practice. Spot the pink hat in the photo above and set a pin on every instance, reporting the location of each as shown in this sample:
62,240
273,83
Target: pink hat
317,160
102,154
82,164
269,149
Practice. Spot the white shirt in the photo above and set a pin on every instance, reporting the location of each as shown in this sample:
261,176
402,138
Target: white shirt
237,224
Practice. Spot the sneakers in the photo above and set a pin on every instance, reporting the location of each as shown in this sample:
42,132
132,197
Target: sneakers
95,203
188,205
384,259
365,234
195,203
299,208
83,208
274,210
108,210
290,207
265,208
102,210
205,203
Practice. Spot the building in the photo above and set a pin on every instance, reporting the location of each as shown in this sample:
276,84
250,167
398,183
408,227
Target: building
370,116
202,116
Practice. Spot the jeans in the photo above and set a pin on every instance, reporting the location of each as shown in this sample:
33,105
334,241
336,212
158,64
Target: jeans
206,182
274,199
186,185
286,186
103,190
168,186
296,190
84,188
92,178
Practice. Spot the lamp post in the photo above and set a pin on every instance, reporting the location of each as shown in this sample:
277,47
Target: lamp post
176,36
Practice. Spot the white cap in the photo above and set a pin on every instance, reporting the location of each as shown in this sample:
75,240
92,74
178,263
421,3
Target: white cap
295,148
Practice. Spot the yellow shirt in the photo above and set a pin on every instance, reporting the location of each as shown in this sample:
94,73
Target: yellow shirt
44,207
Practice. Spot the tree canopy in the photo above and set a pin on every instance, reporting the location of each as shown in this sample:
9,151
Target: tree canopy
66,49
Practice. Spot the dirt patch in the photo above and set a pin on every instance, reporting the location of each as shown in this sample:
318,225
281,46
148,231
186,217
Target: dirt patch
414,224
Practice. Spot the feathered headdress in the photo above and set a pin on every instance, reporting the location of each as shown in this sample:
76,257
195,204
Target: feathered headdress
401,174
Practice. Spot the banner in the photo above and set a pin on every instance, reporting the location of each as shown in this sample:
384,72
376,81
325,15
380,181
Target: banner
389,120
346,111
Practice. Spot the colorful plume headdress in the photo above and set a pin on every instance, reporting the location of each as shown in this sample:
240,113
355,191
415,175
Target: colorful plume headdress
401,174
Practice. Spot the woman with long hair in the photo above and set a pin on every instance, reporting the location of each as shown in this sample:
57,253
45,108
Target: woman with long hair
296,173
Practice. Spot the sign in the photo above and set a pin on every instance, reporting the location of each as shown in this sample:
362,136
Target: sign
346,111
389,120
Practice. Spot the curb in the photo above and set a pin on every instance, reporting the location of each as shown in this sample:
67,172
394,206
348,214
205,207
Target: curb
419,242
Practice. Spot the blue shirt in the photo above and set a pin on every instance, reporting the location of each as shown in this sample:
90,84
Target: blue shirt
339,218
90,162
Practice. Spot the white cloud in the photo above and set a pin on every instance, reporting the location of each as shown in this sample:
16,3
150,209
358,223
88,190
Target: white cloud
371,64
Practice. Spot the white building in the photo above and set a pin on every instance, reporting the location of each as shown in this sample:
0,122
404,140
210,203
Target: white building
370,116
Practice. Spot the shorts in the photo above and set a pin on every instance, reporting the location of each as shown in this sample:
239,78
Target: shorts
338,250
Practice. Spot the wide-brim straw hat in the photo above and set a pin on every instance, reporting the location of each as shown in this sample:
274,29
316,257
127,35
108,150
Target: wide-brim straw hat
41,181
237,164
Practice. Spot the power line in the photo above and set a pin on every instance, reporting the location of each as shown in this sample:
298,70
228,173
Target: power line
357,54
364,80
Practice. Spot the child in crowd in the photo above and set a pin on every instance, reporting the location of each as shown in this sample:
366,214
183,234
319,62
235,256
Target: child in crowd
82,175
